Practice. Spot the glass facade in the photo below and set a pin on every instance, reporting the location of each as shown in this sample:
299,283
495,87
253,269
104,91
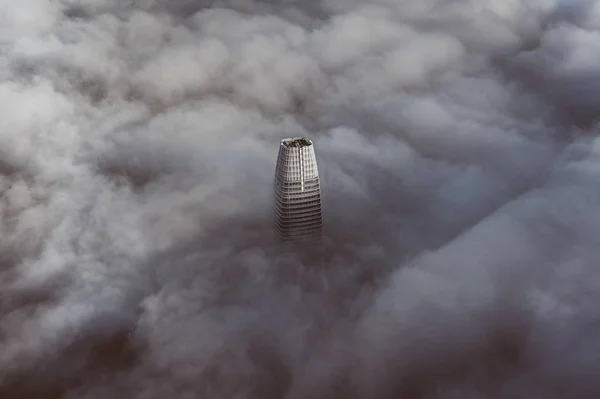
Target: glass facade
297,197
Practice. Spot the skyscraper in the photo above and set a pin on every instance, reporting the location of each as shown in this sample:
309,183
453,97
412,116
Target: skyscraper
297,197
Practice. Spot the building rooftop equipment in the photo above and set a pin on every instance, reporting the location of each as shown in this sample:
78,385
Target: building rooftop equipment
296,142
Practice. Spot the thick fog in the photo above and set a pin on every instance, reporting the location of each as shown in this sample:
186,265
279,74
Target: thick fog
460,164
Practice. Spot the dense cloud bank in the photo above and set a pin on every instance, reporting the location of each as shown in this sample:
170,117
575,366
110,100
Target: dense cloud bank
461,177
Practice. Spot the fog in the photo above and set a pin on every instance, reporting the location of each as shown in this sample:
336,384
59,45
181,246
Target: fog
460,168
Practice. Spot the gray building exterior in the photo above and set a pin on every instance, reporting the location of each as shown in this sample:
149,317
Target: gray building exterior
297,196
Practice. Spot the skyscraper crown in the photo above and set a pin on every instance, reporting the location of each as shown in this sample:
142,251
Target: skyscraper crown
297,196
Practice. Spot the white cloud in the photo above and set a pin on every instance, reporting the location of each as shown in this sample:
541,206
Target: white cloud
457,146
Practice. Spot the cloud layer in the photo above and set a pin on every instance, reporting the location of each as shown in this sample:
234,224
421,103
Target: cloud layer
460,163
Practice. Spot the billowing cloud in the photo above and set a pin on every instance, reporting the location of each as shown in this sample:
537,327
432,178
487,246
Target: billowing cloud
457,146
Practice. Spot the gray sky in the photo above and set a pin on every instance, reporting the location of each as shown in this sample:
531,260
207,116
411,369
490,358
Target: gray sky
459,158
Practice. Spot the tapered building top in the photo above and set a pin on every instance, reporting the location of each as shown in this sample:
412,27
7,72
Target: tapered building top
297,196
